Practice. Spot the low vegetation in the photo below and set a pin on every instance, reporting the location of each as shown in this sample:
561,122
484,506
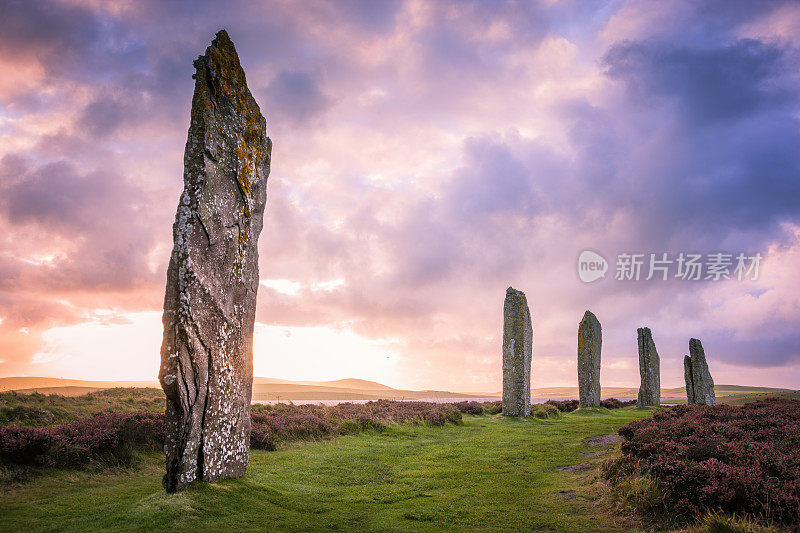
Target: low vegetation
108,428
113,437
106,437
37,409
567,406
488,473
280,423
691,462
724,468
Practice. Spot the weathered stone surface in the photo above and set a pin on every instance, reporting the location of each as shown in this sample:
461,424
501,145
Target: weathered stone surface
687,376
517,352
699,383
590,342
209,306
649,370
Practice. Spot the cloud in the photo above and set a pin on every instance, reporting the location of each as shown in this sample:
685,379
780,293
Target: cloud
104,115
708,85
72,231
491,181
722,136
379,17
427,155
295,96
58,198
66,43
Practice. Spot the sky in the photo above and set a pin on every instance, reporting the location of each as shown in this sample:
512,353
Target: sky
427,155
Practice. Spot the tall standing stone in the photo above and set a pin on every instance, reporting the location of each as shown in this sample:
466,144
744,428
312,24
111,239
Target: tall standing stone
517,352
590,342
210,302
649,370
699,383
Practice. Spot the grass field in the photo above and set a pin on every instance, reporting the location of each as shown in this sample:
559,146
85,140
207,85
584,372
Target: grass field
491,472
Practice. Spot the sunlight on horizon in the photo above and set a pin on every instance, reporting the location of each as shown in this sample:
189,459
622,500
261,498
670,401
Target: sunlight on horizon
318,353
322,353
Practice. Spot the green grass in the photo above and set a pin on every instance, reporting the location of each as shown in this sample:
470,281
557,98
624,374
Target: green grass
491,473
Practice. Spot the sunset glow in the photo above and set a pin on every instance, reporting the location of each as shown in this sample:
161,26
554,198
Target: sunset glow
427,155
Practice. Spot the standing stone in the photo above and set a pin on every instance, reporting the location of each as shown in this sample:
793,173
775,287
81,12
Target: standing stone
698,378
210,302
687,376
590,342
517,351
649,369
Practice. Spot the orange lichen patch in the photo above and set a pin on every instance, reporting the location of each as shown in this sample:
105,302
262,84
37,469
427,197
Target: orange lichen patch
228,80
225,86
244,235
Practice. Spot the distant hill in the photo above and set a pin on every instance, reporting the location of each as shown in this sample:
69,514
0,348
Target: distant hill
726,390
350,383
62,391
20,383
271,389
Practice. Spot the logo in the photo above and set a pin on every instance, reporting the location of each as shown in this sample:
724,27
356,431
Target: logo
664,266
591,266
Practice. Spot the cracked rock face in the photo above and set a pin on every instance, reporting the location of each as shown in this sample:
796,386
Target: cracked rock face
590,342
517,352
699,383
209,306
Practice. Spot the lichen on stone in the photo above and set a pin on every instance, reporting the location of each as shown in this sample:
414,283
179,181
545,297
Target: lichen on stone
649,370
209,306
590,343
517,353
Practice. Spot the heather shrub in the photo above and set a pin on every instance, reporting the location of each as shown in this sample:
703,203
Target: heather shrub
261,438
107,437
734,460
291,426
613,403
453,415
288,422
469,408
434,418
565,406
24,445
